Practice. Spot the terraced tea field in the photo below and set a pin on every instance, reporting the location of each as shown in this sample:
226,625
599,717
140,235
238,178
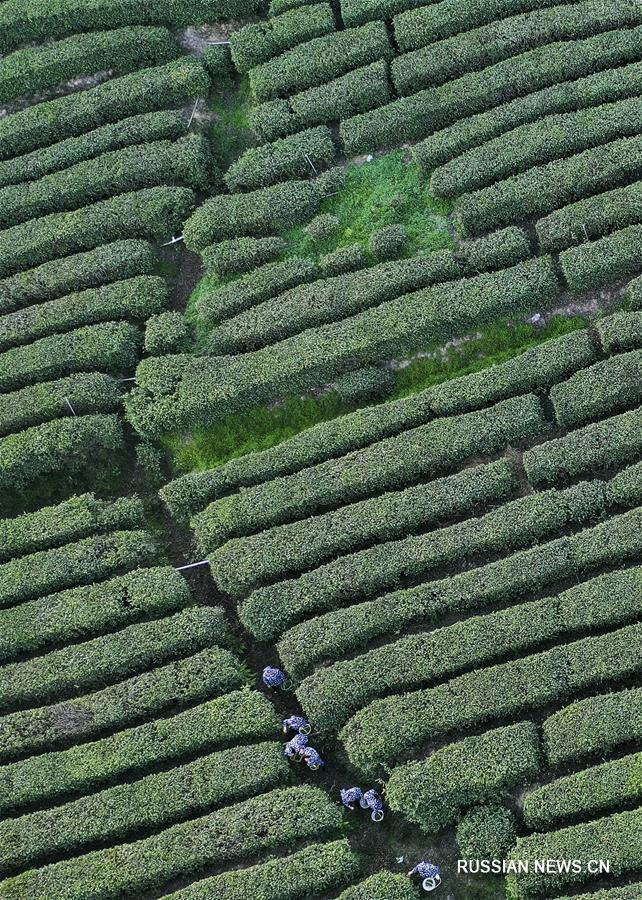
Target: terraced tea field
320,349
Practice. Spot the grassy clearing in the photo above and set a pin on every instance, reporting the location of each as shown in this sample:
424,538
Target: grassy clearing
263,427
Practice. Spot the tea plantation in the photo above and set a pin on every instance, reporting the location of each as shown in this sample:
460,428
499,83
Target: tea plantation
320,352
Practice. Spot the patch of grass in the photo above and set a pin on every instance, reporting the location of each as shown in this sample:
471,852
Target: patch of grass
263,427
230,133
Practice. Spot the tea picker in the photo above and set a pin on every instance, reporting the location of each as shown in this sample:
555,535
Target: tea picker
371,800
295,747
275,678
312,759
296,723
351,796
429,873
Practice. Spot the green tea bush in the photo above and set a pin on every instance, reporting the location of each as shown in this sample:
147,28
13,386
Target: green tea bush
389,242
166,332
383,884
497,41
335,634
536,143
427,111
257,43
277,7
591,218
625,488
534,370
47,123
185,162
331,298
423,26
322,227
628,892
333,693
605,387
389,727
82,562
87,392
244,563
603,261
495,251
61,446
120,51
623,330
153,801
236,717
419,453
22,22
270,610
271,120
239,255
591,792
343,260
593,727
264,823
61,674
258,213
152,213
615,838
319,61
472,131
313,869
78,517
158,692
254,288
297,156
432,793
609,443
93,609
486,832
109,346
105,264
364,385
547,187
135,299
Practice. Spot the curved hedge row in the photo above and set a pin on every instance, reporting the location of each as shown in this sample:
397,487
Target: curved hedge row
255,287
410,118
493,43
135,299
153,213
75,518
150,89
534,370
258,42
306,873
87,392
615,838
157,692
335,634
358,12
22,21
433,793
329,300
64,445
240,255
239,716
609,443
536,143
423,452
89,559
591,792
84,612
603,261
320,60
583,93
104,660
355,92
395,328
185,162
286,550
109,346
297,156
151,802
603,388
154,126
270,610
552,185
623,330
120,51
593,727
107,263
272,820
383,884
392,726
334,693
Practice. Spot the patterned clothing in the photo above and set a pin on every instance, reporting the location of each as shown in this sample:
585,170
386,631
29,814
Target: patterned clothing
273,677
